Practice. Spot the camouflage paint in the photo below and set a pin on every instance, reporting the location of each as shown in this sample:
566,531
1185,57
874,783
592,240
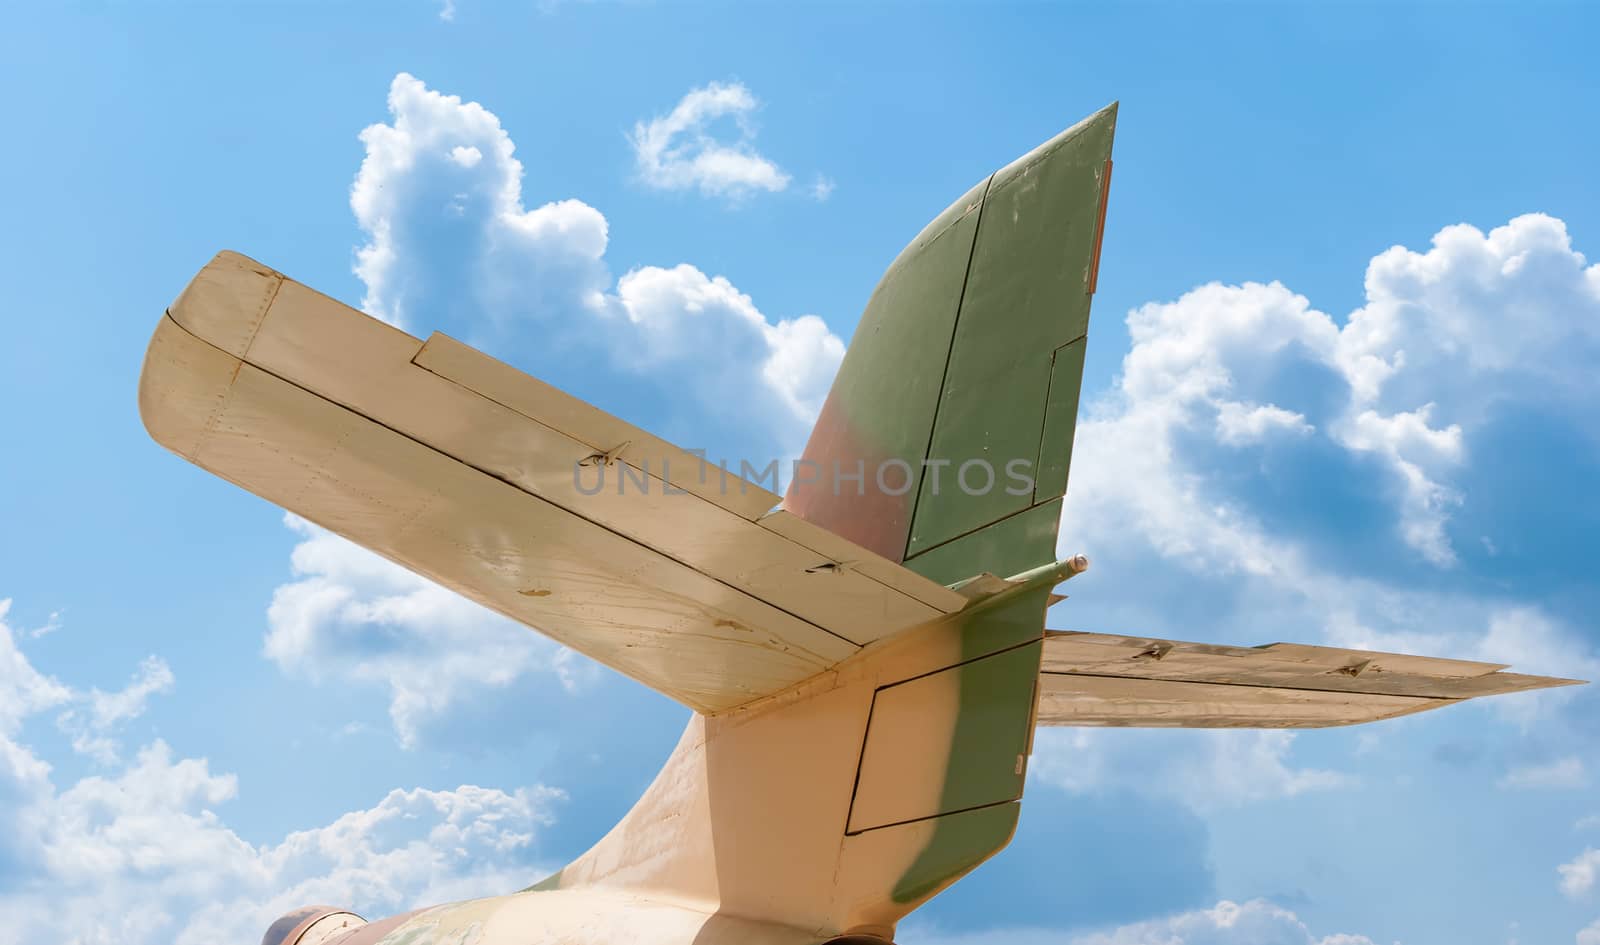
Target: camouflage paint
1009,546
971,348
375,932
883,400
989,746
1060,422
963,842
1027,294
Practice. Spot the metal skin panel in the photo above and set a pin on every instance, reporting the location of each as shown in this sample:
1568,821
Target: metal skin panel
1027,293
1092,679
351,359
1398,662
226,301
1060,422
876,413
907,743
1069,652
1155,703
329,928
751,814
951,361
1009,546
855,558
959,844
996,705
301,926
554,408
907,739
699,640
818,605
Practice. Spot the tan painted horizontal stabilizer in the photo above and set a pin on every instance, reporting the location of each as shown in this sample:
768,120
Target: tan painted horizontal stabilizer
1093,679
483,479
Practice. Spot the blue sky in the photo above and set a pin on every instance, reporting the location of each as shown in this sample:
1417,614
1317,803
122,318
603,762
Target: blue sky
1325,219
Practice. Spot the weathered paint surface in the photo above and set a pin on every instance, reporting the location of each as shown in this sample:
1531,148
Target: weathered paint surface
1027,294
752,815
1009,546
953,371
883,401
1094,679
1060,421
312,925
960,844
994,723
473,480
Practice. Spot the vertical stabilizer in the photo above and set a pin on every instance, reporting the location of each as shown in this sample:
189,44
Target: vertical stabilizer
946,438
838,806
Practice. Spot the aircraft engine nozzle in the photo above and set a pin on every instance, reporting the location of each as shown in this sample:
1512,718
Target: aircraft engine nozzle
311,925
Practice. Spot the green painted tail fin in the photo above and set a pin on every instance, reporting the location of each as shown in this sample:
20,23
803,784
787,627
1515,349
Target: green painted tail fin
946,438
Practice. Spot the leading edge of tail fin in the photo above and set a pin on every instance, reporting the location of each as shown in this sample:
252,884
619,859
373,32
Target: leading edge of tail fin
946,438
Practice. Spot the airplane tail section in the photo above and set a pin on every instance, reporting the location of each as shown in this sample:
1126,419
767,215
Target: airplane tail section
946,438
865,687
841,804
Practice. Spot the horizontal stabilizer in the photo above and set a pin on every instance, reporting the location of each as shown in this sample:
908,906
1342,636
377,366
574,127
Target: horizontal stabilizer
514,494
1093,679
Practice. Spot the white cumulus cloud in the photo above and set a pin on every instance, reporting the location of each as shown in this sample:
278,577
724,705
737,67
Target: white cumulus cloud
1257,922
91,717
1414,372
1203,770
92,723
1565,773
450,245
352,615
1580,875
141,855
1211,368
683,312
1590,935
681,150
24,692
1238,374
1239,423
